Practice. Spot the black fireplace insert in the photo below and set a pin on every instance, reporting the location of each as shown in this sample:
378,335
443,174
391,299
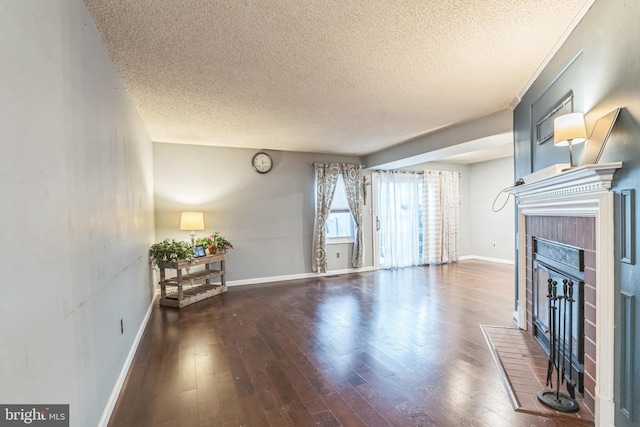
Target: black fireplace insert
560,267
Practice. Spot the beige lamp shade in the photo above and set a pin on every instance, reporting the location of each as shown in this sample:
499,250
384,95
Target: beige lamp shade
192,221
569,128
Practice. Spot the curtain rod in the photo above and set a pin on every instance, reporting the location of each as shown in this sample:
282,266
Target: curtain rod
387,170
418,172
394,171
337,163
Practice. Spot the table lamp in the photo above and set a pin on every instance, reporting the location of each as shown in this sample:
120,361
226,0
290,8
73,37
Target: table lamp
192,221
569,129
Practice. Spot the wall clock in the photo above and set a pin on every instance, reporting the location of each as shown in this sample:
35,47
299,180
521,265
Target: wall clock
262,162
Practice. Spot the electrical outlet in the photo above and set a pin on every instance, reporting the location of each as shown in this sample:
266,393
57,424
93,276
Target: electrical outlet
121,326
493,244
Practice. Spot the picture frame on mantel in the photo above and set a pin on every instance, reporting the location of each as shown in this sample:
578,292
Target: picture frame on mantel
199,251
598,139
544,126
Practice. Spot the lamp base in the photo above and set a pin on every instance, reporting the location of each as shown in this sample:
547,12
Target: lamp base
570,152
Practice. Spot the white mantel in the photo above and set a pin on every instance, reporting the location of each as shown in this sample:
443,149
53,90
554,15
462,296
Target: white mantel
579,192
585,180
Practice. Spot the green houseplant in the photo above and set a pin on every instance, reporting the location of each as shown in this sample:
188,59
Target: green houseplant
216,243
170,250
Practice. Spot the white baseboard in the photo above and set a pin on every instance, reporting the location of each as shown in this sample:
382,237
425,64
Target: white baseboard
335,272
111,403
483,258
295,276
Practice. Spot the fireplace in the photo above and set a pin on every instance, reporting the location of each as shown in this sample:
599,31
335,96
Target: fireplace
558,308
572,209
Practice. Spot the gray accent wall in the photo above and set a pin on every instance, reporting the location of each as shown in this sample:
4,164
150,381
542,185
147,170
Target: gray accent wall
600,63
267,217
76,216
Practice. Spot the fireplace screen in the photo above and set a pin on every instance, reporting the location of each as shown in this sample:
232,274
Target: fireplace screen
559,320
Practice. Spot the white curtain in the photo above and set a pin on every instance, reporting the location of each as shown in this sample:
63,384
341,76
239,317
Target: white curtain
441,220
418,215
398,198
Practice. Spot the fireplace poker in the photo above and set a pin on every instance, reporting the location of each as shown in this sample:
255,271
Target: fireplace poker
554,329
570,383
550,324
556,344
563,332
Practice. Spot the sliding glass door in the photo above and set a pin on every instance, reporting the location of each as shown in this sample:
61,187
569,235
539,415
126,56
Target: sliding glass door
398,198
417,215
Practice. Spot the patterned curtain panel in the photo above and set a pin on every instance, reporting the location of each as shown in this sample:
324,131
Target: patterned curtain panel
352,175
326,178
441,217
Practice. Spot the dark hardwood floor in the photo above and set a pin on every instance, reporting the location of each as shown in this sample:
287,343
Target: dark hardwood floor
391,347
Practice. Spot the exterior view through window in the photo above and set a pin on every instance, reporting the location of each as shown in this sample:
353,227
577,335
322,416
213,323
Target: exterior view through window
340,224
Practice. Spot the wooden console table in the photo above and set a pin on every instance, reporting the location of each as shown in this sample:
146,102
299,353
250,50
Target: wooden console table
193,286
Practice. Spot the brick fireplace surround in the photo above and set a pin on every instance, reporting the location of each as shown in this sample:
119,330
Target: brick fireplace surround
579,232
576,208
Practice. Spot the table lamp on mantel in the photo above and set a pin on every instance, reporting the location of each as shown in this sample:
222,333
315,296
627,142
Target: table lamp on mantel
569,129
192,221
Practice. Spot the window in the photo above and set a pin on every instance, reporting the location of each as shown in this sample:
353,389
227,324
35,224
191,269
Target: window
340,226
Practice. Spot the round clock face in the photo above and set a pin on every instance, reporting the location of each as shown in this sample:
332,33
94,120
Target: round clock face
262,162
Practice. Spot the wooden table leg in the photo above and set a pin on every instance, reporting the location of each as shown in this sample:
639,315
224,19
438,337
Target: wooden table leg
163,287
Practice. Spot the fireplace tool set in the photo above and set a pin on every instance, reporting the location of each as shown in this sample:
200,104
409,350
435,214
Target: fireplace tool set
560,348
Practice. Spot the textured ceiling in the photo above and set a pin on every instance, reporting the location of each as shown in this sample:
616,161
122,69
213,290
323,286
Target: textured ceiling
336,76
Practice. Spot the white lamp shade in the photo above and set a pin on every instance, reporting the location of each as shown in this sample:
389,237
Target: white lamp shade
569,127
192,221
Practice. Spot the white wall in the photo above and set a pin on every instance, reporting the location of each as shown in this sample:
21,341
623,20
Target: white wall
76,216
486,181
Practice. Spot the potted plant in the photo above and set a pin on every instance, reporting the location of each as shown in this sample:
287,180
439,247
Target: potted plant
216,243
170,250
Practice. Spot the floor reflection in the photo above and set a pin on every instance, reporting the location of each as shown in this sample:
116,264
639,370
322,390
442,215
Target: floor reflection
398,347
